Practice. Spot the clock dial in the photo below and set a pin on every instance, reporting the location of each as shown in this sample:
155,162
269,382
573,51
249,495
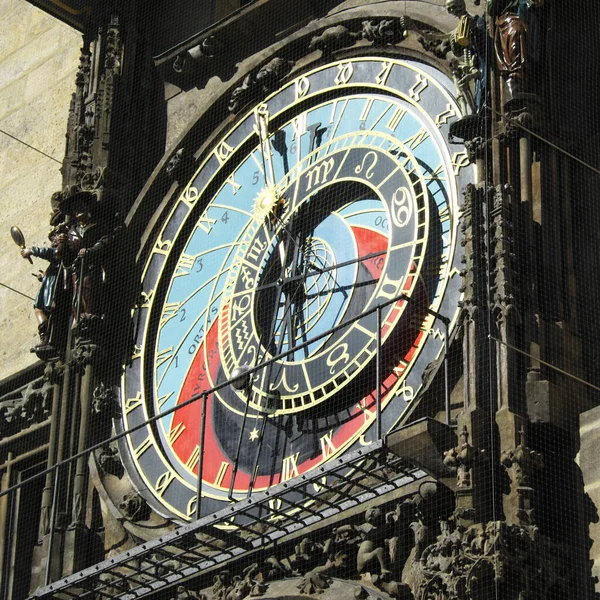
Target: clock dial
336,195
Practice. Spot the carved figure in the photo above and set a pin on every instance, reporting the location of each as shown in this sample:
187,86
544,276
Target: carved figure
378,542
45,300
332,39
386,32
514,25
471,47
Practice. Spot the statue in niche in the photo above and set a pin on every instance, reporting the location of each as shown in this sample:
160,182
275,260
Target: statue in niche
45,299
89,240
471,45
517,42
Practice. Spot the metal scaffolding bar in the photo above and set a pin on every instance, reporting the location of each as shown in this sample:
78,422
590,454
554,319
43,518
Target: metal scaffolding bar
144,570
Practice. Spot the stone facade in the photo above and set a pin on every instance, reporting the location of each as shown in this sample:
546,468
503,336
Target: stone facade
39,56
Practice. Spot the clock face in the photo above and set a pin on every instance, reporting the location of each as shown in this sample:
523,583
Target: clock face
335,196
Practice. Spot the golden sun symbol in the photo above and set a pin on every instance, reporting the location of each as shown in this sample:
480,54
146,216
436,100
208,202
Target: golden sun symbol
268,204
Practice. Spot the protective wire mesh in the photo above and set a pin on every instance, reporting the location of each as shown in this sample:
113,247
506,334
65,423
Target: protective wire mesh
338,339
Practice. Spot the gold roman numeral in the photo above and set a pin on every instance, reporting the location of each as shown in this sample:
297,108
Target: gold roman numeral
145,445
290,467
175,434
221,473
194,458
327,446
418,138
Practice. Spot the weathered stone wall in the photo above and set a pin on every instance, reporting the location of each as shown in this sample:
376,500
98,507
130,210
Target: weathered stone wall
38,61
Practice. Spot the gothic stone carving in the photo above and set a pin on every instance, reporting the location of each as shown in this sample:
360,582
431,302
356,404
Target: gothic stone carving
259,83
134,507
25,407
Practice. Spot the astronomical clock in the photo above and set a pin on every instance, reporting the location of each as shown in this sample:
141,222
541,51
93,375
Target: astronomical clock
297,285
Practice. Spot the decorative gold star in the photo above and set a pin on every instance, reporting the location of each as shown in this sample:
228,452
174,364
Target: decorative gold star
254,435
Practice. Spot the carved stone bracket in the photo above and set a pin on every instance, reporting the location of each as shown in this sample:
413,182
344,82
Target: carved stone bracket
134,507
110,462
104,402
461,460
521,463
84,354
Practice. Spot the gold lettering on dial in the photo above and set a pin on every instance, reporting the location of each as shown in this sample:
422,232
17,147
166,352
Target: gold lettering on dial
190,196
223,151
382,76
162,356
145,445
318,175
170,309
162,399
327,446
221,473
191,506
194,458
418,138
369,171
162,483
344,75
284,383
338,354
302,87
443,117
184,265
290,467
401,207
175,433
419,86
395,119
133,403
206,224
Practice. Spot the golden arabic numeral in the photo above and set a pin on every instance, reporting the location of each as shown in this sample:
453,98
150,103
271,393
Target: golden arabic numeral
327,446
344,74
302,87
190,196
319,487
223,151
191,506
162,246
162,483
408,392
290,467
